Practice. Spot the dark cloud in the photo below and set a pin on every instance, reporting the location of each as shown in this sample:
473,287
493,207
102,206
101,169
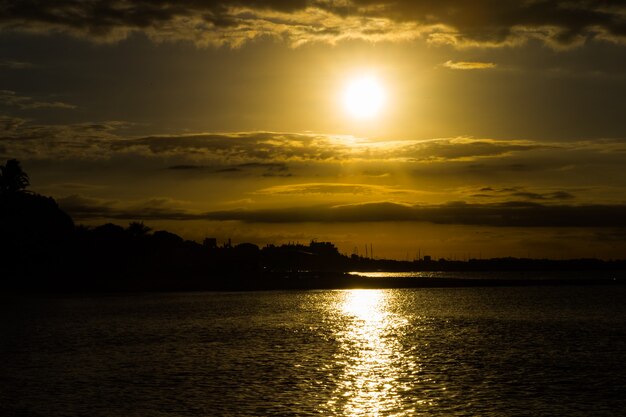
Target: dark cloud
247,150
529,195
277,174
460,149
9,123
516,167
375,173
513,214
266,169
559,23
521,193
250,146
12,99
81,208
333,188
610,236
272,166
509,214
185,167
15,65
559,195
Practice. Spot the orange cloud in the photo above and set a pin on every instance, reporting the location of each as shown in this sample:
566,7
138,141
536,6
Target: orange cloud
468,65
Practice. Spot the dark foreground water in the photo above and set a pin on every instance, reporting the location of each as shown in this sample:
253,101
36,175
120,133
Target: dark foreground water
450,352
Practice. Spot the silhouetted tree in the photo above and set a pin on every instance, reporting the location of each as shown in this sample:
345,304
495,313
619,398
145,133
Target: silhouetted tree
12,177
36,236
137,229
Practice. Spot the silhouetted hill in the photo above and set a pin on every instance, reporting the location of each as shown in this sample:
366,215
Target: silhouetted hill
34,233
26,216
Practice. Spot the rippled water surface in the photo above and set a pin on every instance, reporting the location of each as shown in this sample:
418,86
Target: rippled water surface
453,352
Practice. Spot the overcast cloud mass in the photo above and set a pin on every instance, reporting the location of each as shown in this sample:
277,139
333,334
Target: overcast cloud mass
559,24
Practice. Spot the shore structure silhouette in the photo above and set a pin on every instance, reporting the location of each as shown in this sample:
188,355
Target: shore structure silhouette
44,251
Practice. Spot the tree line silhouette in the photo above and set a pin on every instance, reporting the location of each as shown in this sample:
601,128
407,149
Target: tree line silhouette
42,250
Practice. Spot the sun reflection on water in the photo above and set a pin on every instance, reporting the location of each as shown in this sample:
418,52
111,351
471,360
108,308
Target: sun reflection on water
366,305
375,368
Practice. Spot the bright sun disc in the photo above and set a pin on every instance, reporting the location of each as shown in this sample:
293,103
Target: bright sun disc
364,97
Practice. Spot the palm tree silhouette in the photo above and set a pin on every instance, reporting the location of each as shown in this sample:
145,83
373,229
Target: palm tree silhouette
12,178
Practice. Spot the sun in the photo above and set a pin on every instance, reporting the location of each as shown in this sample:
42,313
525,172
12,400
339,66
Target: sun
364,97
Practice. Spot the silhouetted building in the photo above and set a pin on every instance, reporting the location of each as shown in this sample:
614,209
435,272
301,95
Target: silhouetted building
323,248
210,243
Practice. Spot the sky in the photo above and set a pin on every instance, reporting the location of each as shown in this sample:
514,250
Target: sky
497,127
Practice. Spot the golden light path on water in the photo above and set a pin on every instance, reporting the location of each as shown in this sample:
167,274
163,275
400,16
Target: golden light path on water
377,373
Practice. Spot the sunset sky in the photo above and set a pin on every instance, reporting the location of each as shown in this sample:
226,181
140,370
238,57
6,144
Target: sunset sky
456,128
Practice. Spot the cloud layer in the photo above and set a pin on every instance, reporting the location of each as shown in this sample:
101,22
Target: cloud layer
243,149
12,99
331,163
281,177
510,214
484,23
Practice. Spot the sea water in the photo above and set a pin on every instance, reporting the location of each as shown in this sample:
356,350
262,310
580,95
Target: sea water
530,351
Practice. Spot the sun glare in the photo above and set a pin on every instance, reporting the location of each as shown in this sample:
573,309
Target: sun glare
364,97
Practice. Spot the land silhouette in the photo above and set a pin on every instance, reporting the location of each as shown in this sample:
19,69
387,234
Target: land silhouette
44,251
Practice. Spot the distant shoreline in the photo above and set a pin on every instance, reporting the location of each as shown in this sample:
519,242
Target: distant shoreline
286,281
44,252
297,281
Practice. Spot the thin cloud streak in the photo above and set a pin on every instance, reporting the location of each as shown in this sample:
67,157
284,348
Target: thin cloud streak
334,189
15,65
468,65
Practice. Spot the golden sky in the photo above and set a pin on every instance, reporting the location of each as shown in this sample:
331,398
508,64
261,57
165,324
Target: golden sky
483,128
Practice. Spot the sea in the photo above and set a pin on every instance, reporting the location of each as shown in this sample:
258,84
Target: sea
501,351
